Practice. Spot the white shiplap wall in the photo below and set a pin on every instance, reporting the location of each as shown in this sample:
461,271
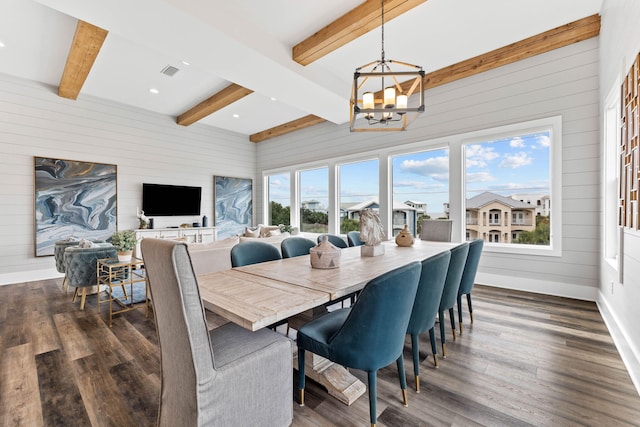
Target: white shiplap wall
620,36
146,147
562,82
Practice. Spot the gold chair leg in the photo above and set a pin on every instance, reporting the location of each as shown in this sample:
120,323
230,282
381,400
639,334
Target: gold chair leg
405,401
84,297
75,294
460,328
417,383
435,360
444,351
301,397
454,334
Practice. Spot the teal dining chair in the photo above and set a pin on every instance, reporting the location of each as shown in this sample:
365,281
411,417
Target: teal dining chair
353,238
450,291
425,307
469,277
246,253
336,241
369,335
296,246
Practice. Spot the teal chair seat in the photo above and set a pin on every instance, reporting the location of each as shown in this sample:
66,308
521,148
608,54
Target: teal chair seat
469,277
296,246
425,307
369,335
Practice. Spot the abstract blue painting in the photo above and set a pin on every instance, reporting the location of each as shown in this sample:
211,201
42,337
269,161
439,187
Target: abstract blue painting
233,206
73,199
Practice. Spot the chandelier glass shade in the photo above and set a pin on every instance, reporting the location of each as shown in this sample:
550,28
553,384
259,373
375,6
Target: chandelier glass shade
387,95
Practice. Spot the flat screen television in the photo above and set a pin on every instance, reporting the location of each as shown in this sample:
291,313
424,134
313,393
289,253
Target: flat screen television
170,200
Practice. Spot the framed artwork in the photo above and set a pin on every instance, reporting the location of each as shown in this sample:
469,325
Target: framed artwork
73,199
233,205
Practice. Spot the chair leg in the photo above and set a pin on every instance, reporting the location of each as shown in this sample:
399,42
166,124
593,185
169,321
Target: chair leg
75,294
452,317
372,380
301,374
403,379
415,350
470,307
459,302
442,335
434,348
84,297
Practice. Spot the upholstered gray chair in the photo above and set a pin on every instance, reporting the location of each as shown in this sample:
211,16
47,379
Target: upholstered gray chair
450,291
469,277
229,376
436,230
425,307
58,253
81,266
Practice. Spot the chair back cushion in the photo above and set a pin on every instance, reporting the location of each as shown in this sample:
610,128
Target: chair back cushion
58,252
185,346
353,238
246,253
454,274
471,267
436,230
336,241
296,246
372,335
430,287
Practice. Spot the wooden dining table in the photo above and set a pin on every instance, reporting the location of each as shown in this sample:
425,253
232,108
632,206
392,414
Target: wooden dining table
258,295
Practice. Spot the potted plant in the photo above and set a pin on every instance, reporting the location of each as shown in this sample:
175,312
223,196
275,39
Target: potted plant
124,241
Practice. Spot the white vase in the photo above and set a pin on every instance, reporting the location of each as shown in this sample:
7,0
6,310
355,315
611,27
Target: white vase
124,256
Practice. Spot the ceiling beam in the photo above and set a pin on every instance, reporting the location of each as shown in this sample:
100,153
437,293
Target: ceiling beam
291,126
349,27
564,35
84,50
226,96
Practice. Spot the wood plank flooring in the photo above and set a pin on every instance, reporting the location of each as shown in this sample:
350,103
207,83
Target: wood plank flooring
528,360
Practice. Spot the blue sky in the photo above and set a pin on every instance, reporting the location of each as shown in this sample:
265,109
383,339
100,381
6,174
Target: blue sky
504,166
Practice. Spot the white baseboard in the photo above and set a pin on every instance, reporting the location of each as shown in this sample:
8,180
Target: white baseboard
546,287
628,351
29,276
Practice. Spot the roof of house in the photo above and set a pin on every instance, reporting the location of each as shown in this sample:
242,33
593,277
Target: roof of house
487,197
397,206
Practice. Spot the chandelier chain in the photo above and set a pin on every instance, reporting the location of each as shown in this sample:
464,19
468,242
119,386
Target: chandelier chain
382,27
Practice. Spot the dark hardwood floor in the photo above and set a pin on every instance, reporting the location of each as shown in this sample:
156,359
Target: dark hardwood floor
528,360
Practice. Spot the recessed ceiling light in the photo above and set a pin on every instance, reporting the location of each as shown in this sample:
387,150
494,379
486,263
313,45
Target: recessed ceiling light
1,44
154,91
235,116
185,62
273,98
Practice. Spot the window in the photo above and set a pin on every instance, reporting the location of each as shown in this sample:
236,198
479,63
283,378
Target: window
279,197
314,200
358,190
420,188
506,178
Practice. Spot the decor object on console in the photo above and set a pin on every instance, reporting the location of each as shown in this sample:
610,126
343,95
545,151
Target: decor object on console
404,238
124,241
371,233
233,206
144,221
325,255
381,108
73,198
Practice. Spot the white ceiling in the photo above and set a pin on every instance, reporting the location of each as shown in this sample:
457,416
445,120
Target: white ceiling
249,42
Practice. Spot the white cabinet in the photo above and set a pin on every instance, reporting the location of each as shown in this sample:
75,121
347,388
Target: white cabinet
190,235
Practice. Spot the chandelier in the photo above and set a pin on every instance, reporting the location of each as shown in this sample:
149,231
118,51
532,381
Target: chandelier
386,103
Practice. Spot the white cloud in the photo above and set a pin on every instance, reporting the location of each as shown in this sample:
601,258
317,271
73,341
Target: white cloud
418,185
517,142
480,177
478,155
544,140
515,161
436,166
